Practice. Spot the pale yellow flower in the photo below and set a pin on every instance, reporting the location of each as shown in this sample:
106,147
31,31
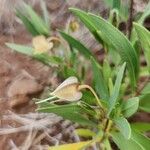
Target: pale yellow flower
68,90
41,44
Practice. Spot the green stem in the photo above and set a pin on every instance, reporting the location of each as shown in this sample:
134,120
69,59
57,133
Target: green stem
80,87
107,127
45,100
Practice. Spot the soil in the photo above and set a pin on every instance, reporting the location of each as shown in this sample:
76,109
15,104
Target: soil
16,66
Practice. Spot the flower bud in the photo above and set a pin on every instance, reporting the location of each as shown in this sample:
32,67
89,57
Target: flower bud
74,25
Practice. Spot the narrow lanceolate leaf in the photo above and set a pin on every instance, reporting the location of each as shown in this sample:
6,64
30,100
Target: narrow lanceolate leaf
144,38
45,13
112,37
130,106
146,89
124,127
72,112
115,93
85,132
28,24
116,4
73,146
141,139
87,22
100,84
106,71
20,48
145,102
77,45
36,20
48,60
141,126
126,144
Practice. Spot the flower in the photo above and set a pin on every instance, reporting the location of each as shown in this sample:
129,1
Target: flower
41,44
68,90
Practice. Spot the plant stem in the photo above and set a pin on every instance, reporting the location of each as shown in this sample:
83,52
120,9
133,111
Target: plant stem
106,130
45,100
129,25
80,87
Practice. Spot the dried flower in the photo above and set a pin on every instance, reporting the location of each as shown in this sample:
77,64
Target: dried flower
41,44
68,90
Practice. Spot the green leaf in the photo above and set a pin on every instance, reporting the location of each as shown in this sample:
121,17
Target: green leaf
112,37
45,13
144,71
146,89
20,48
99,81
27,23
115,93
72,146
141,126
130,106
88,97
67,72
145,102
144,37
107,144
71,112
126,144
84,17
116,4
108,3
141,139
106,71
145,98
85,132
124,127
110,86
77,45
124,11
48,60
113,3
36,20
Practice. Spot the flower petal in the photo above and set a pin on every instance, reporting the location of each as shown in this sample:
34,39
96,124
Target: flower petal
69,92
41,44
70,80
